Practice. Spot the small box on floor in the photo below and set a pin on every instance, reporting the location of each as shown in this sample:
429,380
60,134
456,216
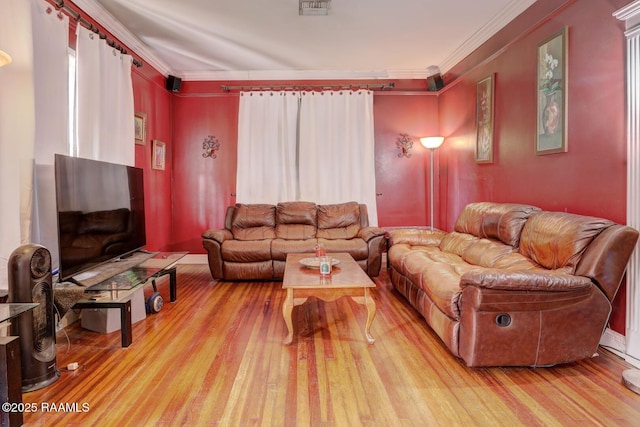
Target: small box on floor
105,320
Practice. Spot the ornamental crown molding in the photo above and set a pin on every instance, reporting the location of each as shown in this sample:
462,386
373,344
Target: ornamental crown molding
506,15
126,37
629,11
96,11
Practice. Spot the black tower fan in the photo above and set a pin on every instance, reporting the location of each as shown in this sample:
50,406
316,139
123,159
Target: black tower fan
30,282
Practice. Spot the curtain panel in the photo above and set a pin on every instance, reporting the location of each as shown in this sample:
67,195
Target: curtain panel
104,101
33,117
337,149
314,146
267,147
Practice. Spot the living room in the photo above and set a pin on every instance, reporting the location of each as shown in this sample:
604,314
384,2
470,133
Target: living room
190,194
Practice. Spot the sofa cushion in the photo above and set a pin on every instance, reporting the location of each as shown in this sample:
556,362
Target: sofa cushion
246,251
558,239
486,252
296,220
438,274
338,221
357,247
253,222
502,221
297,213
457,243
281,247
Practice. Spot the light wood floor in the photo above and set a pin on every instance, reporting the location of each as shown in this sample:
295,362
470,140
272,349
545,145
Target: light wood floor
216,357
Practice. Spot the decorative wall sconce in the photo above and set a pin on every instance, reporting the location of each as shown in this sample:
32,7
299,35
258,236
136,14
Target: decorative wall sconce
210,145
404,144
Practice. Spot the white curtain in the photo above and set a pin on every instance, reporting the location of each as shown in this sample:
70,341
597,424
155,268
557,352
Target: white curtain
104,104
267,165
29,105
51,83
337,158
314,146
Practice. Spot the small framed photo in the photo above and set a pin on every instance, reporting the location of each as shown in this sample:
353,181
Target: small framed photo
484,120
552,94
158,155
140,120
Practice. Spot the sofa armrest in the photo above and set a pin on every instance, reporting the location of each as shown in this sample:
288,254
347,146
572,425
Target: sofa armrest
368,233
374,237
415,236
212,242
524,281
219,235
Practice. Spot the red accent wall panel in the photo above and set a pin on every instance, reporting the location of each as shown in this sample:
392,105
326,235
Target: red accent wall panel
151,98
203,186
401,182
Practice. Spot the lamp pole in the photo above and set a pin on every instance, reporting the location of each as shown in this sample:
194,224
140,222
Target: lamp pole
432,188
431,142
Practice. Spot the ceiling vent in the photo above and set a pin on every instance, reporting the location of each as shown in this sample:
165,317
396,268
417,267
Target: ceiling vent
314,8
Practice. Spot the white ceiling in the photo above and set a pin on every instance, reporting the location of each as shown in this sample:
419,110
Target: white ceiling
267,39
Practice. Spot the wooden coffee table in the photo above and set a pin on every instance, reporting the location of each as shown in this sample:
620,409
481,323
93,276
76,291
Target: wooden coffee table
347,279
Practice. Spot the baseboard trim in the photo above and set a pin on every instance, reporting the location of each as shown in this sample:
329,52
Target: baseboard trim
632,360
194,259
613,340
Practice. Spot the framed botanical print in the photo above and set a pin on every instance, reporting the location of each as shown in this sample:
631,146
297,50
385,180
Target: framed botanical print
140,120
484,119
158,159
552,94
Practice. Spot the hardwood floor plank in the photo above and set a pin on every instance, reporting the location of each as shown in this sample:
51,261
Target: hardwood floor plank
216,358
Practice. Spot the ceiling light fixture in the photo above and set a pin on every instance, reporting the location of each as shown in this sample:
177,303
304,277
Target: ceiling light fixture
314,8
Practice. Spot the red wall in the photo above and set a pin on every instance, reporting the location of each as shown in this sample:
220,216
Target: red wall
590,178
401,182
151,98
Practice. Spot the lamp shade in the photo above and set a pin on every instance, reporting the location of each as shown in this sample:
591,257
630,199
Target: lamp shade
432,142
4,58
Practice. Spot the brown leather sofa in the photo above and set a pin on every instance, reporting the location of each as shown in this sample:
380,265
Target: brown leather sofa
513,285
257,238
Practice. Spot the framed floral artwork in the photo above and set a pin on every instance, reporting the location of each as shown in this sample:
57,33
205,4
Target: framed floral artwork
158,159
552,94
484,120
140,120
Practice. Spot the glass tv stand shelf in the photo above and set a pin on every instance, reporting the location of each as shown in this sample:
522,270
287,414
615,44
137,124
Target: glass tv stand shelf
116,291
10,310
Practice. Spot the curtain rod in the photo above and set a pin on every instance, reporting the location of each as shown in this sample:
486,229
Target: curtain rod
60,5
381,86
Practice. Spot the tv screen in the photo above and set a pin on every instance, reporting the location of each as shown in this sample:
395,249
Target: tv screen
100,213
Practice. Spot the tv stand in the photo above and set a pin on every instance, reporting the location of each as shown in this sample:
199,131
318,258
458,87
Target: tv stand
111,294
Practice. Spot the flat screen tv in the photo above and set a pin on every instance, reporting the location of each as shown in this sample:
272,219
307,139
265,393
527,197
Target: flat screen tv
100,213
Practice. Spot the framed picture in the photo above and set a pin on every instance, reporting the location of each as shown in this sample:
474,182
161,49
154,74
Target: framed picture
552,94
158,155
140,120
484,120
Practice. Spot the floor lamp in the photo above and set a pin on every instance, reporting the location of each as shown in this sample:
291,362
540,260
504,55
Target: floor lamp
431,142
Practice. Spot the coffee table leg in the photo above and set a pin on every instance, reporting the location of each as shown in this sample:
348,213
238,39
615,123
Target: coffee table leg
367,301
287,308
371,313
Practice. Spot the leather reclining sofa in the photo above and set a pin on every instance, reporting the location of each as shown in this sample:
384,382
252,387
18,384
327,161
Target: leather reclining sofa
257,238
513,285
